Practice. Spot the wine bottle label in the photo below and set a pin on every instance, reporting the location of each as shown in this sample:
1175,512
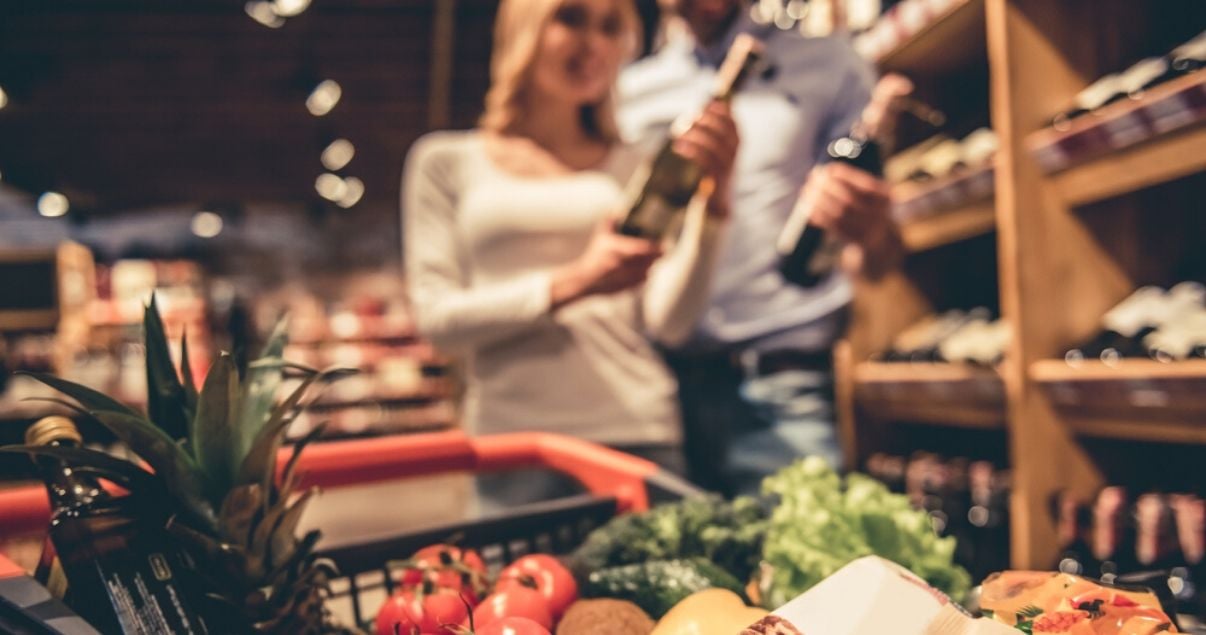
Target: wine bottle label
143,590
1142,73
1099,92
796,222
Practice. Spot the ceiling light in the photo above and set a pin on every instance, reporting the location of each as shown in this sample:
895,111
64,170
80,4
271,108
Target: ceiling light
354,190
264,13
324,97
53,205
206,224
3,98
330,186
338,154
289,8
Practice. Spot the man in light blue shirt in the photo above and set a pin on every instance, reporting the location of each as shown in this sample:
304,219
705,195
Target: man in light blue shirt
754,380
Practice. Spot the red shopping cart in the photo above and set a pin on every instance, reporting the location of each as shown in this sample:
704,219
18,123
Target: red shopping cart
615,483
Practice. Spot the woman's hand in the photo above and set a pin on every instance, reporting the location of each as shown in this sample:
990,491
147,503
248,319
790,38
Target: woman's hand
611,263
712,142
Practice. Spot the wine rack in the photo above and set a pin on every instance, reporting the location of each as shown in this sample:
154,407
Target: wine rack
1067,242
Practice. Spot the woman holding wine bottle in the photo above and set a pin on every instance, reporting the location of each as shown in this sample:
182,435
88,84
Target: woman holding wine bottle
510,252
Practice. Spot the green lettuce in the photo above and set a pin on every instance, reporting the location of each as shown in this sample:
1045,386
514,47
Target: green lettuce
822,523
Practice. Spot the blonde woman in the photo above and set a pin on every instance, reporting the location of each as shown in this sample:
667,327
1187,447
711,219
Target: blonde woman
509,251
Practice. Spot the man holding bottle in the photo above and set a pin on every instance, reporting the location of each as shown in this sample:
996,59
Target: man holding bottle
754,379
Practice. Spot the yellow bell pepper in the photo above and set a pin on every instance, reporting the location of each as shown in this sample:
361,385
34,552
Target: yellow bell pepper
708,612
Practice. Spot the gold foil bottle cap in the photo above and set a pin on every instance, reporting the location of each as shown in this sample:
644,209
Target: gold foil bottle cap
54,428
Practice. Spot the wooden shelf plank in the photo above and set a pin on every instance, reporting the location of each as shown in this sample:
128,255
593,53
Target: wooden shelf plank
1133,399
1159,160
1159,431
949,394
1057,370
950,226
950,42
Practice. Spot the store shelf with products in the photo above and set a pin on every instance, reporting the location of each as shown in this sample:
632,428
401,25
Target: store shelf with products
927,37
1136,399
1057,269
1129,145
943,393
967,221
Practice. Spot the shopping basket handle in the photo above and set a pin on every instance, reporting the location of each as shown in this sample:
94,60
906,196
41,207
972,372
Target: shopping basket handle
634,482
603,471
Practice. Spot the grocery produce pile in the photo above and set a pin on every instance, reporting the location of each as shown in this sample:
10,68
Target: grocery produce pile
699,566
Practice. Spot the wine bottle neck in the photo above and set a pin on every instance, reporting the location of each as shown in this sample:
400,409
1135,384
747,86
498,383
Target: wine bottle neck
67,487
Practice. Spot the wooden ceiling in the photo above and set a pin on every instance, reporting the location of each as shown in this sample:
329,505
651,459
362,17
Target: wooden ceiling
137,103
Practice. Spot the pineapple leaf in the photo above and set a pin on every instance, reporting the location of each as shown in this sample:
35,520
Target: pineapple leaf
288,481
90,399
166,401
284,535
171,463
120,472
260,461
214,429
257,551
261,384
190,384
260,388
275,347
239,512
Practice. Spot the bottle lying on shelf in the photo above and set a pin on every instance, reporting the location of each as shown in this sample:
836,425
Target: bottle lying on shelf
1150,323
954,336
944,157
1188,57
1134,80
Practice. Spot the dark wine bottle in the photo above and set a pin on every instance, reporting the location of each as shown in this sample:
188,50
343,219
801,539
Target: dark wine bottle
1106,90
1073,523
1113,534
1190,56
124,575
1123,328
806,254
671,180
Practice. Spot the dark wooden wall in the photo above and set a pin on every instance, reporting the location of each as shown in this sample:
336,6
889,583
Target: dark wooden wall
132,103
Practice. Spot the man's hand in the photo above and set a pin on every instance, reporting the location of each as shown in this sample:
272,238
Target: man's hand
856,206
712,141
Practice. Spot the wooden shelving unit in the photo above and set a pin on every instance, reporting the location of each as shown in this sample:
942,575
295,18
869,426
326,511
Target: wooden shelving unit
1069,244
951,41
949,226
1150,163
948,394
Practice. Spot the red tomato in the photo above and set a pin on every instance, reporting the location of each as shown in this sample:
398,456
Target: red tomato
547,575
440,612
448,567
514,601
1061,621
513,626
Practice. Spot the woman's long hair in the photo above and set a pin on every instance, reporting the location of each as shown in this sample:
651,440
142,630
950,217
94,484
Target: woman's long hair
517,31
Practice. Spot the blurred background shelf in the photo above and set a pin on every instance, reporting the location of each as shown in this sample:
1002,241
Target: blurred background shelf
950,41
951,394
949,226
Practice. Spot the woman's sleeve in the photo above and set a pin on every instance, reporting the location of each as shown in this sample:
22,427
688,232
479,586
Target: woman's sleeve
677,291
449,311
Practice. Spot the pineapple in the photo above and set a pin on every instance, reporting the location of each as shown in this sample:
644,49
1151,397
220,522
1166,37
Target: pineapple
213,455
